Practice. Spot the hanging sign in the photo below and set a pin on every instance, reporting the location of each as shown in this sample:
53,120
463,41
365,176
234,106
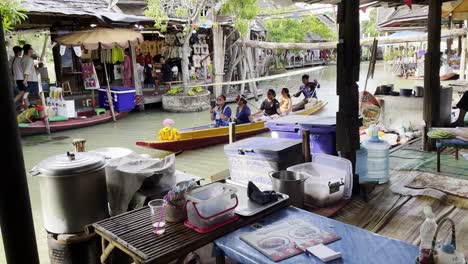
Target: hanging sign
77,51
90,79
369,108
62,50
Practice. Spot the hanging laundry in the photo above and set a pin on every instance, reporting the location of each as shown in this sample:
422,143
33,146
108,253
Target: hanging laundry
196,61
117,55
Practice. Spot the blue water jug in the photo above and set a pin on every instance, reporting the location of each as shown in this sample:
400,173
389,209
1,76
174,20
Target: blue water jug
361,164
378,160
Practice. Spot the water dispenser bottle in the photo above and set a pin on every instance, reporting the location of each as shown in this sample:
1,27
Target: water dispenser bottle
361,164
378,152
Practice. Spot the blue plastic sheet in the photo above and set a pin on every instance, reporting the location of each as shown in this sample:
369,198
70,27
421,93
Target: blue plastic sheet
357,246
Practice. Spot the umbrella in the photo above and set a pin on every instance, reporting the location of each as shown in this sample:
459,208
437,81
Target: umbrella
105,38
108,38
458,9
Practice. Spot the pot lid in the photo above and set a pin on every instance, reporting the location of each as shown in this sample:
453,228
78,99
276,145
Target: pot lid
70,163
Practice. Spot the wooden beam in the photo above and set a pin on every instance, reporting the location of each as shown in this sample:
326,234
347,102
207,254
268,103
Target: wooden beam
364,42
432,68
348,60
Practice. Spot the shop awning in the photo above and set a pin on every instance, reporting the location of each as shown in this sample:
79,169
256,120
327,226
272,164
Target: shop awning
107,37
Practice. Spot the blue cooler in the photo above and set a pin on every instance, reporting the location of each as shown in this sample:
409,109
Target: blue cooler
122,97
322,131
254,158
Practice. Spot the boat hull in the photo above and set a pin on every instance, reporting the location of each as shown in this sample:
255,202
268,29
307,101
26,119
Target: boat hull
38,127
201,137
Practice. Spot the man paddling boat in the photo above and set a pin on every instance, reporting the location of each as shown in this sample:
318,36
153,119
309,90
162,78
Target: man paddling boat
308,89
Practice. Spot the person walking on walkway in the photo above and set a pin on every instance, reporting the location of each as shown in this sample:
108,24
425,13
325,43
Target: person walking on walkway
29,72
17,73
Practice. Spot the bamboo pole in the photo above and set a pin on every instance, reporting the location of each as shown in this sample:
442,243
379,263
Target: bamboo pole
109,94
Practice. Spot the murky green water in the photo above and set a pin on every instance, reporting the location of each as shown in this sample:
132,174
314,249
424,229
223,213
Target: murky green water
141,126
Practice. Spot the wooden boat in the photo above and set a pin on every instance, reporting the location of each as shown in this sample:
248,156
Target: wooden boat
204,136
445,77
38,127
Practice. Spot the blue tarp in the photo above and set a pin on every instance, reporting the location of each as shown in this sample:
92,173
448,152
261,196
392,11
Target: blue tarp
357,245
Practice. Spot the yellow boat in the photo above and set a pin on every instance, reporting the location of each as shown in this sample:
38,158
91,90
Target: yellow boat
199,137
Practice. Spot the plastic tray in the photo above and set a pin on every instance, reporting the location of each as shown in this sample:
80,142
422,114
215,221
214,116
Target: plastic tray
245,206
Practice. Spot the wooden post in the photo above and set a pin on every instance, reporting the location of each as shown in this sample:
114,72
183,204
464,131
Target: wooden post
463,59
232,132
348,60
137,85
16,221
432,68
306,146
449,40
218,59
79,144
460,39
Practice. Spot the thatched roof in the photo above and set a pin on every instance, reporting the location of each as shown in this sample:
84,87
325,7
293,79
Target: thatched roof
363,2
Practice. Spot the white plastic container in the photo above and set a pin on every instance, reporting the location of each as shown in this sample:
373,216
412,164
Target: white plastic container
329,179
211,206
378,160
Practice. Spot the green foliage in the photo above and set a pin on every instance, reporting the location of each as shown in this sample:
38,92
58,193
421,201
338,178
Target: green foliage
294,30
242,11
175,91
194,91
12,13
369,27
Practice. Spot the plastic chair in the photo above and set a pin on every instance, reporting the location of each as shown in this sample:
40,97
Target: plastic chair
66,88
100,111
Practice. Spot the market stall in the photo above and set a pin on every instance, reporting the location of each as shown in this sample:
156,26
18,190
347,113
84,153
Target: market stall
103,46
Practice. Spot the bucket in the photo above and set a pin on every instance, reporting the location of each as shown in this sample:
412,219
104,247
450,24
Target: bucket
290,183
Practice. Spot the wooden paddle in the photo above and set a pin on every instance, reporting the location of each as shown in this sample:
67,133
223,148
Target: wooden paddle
41,94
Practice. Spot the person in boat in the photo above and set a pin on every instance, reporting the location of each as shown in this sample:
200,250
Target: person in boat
221,113
308,89
463,106
243,113
270,106
285,102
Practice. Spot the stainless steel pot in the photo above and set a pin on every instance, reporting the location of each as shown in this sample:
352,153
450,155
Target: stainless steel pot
290,183
73,191
418,91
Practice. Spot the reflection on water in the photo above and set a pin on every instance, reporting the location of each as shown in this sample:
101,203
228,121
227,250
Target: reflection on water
144,126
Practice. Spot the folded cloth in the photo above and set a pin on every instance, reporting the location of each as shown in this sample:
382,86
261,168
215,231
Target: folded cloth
260,197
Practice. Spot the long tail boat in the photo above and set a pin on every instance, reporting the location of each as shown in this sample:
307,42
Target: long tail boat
203,136
38,127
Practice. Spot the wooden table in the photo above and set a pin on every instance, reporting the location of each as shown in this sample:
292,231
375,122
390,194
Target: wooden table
132,233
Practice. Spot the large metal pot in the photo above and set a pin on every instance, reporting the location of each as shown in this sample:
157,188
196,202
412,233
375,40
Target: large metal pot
290,183
73,191
418,91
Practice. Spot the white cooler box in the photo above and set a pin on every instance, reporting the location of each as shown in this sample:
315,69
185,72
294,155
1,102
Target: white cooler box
254,158
329,179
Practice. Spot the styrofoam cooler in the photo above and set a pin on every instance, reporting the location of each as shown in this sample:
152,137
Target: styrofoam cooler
254,158
211,206
322,131
329,179
123,98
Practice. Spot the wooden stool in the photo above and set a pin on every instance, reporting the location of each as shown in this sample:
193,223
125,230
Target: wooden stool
66,88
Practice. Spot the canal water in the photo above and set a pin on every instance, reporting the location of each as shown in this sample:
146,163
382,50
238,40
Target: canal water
144,126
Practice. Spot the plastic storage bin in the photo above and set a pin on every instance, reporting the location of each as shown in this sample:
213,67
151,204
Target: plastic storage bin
211,206
122,97
329,179
322,131
378,160
254,158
